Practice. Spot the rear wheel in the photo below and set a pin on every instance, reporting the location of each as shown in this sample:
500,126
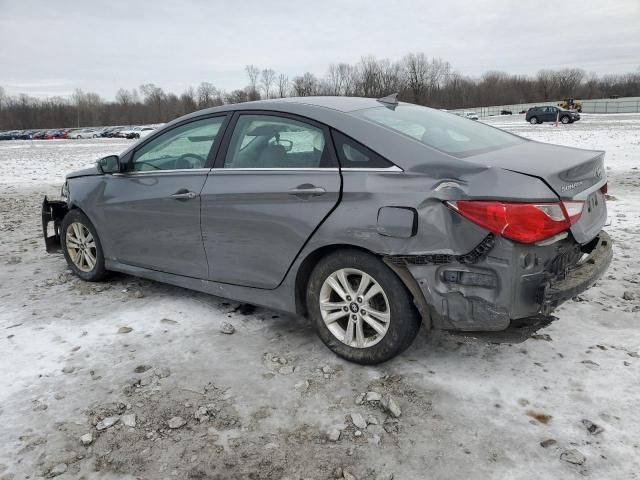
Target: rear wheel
81,247
533,120
361,309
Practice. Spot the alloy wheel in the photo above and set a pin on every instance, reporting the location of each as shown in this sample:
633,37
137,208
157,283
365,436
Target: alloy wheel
355,308
81,246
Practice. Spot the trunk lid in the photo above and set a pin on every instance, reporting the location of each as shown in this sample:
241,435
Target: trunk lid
572,173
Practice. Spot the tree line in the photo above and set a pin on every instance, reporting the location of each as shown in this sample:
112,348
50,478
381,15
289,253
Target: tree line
416,77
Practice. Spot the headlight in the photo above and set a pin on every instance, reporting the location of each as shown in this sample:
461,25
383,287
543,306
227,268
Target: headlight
65,190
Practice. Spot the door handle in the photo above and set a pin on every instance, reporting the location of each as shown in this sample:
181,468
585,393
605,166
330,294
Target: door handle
307,190
184,195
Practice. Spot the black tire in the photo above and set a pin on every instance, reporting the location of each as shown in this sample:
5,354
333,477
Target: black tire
98,272
404,320
565,119
533,120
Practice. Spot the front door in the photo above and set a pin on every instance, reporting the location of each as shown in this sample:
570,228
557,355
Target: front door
152,211
550,114
265,197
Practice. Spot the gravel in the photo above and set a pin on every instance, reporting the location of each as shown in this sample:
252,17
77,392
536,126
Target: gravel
176,422
358,420
107,422
573,456
227,328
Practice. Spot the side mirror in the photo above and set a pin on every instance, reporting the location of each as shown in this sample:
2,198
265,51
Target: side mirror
110,164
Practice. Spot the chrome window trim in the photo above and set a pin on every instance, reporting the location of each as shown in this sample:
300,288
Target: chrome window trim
164,172
275,169
393,168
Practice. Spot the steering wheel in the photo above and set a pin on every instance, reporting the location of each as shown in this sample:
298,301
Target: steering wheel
183,163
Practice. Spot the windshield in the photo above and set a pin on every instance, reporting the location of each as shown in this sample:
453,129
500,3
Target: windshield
449,133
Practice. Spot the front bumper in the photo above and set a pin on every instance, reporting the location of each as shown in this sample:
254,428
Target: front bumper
53,211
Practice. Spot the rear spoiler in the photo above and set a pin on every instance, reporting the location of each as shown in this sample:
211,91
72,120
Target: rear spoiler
53,211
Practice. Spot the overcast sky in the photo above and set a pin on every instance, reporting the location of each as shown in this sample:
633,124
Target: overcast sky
52,47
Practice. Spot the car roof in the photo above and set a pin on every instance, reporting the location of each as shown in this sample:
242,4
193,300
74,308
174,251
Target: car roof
341,104
338,113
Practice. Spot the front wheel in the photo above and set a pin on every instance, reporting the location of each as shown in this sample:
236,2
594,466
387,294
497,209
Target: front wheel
361,309
533,121
565,120
81,247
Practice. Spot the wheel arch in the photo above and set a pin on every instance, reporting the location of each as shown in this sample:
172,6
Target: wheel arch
311,260
307,265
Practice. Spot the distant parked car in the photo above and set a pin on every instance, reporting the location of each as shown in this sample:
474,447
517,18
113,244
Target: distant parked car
116,133
52,134
506,112
470,115
84,133
537,115
137,132
39,135
10,135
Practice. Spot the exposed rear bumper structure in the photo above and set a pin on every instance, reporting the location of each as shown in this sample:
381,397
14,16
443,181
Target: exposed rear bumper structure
579,277
53,211
508,290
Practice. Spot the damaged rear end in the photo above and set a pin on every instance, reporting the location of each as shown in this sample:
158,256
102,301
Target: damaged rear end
535,255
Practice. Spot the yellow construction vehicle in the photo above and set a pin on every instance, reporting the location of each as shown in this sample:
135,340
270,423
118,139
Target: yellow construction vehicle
571,104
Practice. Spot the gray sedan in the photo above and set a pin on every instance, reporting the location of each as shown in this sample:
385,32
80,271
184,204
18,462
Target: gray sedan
370,217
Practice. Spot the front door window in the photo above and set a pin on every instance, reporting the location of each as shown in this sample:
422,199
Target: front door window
183,147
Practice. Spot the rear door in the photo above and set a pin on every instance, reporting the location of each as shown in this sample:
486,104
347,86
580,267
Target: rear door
274,181
152,211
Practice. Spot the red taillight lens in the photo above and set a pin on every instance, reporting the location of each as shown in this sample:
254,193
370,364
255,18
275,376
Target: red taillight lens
522,222
604,188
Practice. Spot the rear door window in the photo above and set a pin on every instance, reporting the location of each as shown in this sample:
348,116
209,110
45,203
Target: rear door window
269,141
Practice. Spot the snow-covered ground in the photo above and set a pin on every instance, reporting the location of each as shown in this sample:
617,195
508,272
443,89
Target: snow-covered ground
261,402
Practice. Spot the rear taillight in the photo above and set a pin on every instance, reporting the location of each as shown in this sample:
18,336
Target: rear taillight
522,222
604,188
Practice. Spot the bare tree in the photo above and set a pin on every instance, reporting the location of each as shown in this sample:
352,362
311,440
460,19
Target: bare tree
546,82
207,95
267,77
237,96
283,85
253,73
188,101
305,85
568,80
416,68
417,78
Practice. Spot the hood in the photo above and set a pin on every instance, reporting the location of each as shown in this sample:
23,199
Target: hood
85,172
568,171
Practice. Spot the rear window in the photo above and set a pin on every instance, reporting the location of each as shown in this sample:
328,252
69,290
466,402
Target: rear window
355,155
457,136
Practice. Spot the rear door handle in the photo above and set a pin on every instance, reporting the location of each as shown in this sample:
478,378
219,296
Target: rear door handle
184,195
307,190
